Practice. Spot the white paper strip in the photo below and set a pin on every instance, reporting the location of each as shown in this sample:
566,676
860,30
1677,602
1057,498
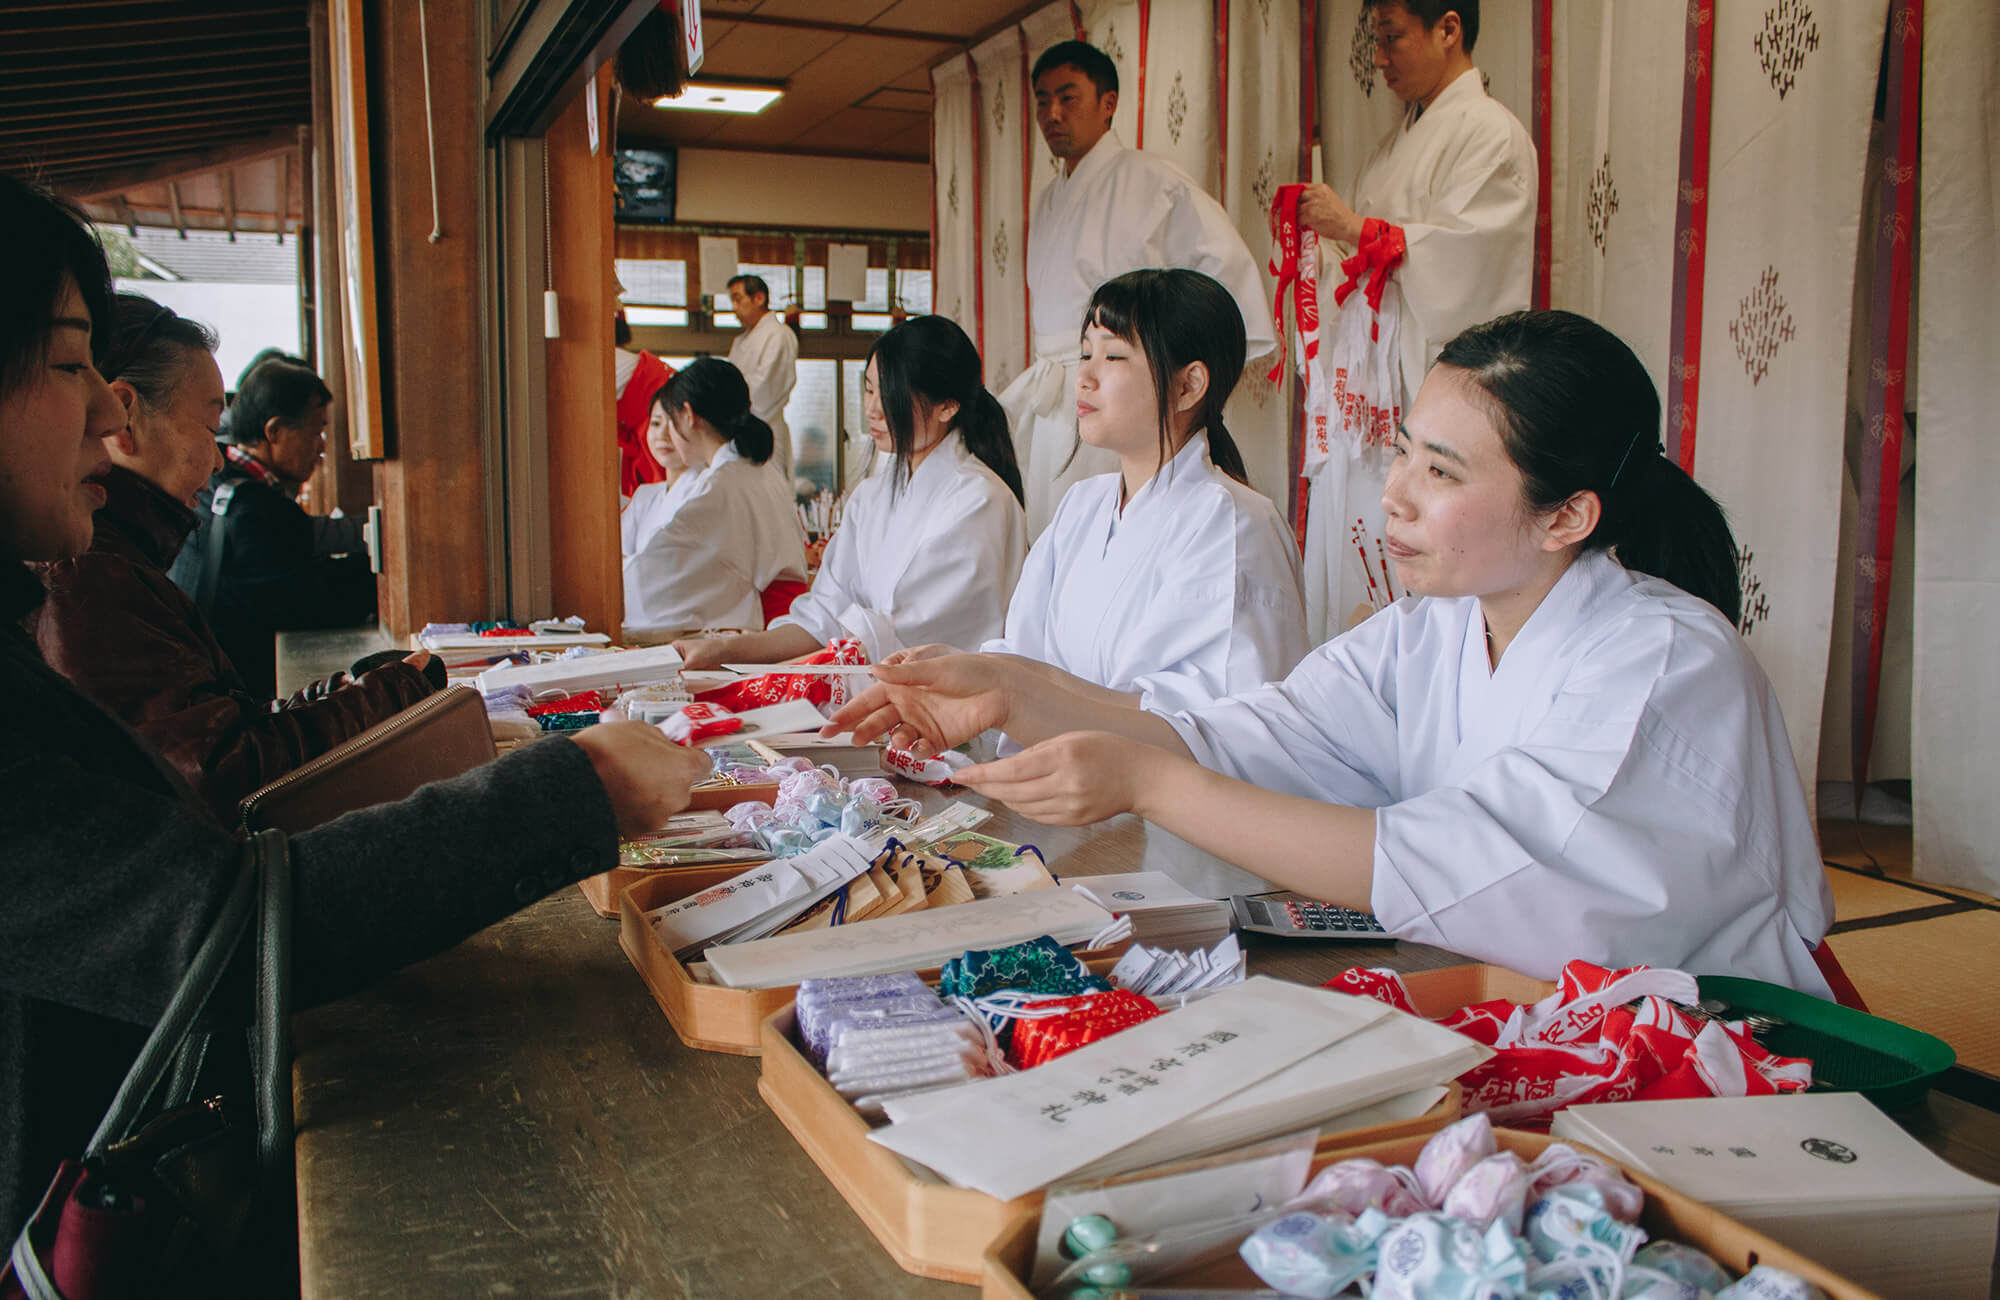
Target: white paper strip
913,941
847,272
718,266
657,663
1009,1136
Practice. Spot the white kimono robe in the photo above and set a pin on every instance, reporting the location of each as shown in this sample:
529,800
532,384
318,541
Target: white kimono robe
650,508
1120,210
768,355
1620,789
734,533
932,560
1460,180
1191,594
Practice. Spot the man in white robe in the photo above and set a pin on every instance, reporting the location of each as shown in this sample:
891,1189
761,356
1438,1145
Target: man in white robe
1110,210
1457,177
767,352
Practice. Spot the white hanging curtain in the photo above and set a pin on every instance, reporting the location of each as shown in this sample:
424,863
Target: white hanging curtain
1114,26
954,251
1356,109
1793,94
1003,160
1616,168
1179,73
1957,728
1505,54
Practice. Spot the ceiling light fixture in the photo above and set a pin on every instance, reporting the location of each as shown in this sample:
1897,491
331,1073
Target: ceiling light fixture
723,97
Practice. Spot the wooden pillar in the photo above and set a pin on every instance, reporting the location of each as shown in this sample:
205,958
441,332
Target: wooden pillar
432,487
341,480
582,413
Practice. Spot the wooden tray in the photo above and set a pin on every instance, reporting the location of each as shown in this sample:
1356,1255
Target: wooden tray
602,891
708,1016
930,1227
1669,1215
1441,992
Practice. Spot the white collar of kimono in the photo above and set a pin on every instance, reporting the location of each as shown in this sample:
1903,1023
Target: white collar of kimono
1192,456
1589,578
724,455
1108,147
1469,84
942,465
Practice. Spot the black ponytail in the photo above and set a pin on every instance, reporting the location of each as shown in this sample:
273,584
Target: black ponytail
1577,412
717,392
1178,317
930,359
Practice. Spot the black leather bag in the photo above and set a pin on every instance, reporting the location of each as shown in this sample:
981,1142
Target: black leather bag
158,1206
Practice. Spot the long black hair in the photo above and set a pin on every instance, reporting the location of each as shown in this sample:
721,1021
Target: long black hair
48,240
1178,317
718,393
149,347
929,359
1577,412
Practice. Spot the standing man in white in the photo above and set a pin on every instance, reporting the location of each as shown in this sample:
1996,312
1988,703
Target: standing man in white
767,352
1453,187
1110,210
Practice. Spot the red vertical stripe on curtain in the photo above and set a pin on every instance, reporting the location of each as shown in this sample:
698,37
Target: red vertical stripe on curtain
1222,98
1301,496
1691,233
1145,29
978,219
1028,130
1881,467
1544,114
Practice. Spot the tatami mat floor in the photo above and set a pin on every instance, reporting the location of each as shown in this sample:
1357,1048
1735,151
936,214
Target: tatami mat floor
1925,955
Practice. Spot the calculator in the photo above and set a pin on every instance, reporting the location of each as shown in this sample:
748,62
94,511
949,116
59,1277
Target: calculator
1294,916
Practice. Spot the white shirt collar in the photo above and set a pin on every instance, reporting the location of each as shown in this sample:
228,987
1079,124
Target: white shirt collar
1188,462
1469,84
1101,154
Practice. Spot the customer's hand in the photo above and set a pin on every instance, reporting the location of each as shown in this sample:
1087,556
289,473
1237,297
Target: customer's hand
646,776
705,652
916,653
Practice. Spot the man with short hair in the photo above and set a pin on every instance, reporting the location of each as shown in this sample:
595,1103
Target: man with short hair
767,352
258,563
1108,211
1452,191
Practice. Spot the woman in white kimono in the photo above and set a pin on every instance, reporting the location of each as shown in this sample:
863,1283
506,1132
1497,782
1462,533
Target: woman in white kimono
1560,753
651,505
734,533
929,550
1170,582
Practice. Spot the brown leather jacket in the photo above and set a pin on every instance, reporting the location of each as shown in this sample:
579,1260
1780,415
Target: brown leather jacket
115,625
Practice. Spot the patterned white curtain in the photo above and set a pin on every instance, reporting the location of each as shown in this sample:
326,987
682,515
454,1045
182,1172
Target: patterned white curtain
1180,87
1793,94
1262,154
1505,53
955,254
1003,159
1957,711
1616,167
1114,26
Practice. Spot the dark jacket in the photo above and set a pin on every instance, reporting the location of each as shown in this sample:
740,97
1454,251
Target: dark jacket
111,873
273,575
132,641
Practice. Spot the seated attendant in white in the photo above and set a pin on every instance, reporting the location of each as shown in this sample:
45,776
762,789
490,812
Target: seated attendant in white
1170,582
651,505
930,545
734,533
1556,751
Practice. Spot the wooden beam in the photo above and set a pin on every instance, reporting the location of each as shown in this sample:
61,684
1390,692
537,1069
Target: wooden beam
180,166
174,201
229,202
83,37
237,106
835,29
201,87
52,143
125,211
284,194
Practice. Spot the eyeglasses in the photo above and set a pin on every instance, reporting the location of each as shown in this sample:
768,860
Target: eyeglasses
114,362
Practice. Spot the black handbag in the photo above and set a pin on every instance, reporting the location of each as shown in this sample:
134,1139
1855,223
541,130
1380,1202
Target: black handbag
159,1205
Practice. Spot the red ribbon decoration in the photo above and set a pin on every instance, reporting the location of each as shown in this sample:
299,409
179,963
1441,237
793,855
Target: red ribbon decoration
1295,261
1381,251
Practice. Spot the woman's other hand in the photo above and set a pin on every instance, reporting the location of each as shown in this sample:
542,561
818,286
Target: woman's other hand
1075,779
930,705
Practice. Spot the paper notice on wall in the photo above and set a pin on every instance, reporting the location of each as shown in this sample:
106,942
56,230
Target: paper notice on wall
847,272
718,265
691,39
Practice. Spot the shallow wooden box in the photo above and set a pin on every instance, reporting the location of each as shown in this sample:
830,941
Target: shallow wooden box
709,1016
928,1226
603,890
1668,1215
1441,992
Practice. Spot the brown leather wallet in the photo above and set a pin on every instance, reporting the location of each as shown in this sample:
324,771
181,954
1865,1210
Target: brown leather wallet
438,737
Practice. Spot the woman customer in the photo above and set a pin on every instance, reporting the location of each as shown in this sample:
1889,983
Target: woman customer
1563,749
113,870
117,626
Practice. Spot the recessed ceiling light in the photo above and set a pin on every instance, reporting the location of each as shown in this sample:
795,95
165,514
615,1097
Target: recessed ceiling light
722,97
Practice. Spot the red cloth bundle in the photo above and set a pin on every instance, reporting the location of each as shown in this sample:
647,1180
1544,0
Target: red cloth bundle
1590,1041
775,688
581,702
700,721
1086,1019
507,631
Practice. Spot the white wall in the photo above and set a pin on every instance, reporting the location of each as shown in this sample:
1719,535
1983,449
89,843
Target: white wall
720,187
249,317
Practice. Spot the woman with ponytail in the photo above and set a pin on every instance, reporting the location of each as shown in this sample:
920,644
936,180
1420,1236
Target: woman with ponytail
1171,582
930,545
734,531
1561,750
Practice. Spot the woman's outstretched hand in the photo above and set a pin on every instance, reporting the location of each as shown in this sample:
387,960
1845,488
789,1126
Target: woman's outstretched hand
930,705
1075,779
703,652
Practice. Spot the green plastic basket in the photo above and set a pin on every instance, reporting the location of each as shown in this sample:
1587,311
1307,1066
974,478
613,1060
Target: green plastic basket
1851,1051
